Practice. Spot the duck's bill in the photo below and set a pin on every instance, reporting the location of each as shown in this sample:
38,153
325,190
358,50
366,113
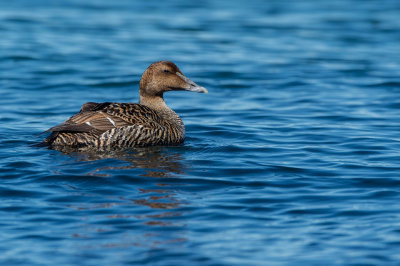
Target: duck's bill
192,86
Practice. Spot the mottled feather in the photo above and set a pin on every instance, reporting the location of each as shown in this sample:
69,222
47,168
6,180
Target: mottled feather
114,124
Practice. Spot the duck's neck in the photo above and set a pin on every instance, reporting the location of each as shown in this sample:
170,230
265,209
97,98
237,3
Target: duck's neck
158,104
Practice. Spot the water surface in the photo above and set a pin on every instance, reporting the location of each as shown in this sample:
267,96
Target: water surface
293,156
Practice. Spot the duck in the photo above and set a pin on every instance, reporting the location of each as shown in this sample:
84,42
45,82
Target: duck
122,125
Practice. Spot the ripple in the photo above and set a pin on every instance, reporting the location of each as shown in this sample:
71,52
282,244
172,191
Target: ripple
13,193
19,58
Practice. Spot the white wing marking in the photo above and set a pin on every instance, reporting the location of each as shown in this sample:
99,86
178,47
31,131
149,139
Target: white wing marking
111,121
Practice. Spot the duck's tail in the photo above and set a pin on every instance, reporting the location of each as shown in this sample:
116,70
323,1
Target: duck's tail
48,141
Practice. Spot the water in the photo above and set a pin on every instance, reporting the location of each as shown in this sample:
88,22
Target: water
292,158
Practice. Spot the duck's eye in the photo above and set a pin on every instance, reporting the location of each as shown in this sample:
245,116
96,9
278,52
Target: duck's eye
166,71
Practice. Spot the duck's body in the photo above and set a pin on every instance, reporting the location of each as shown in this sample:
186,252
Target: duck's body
100,125
149,123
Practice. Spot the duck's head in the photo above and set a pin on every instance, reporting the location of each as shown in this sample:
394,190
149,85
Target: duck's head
165,76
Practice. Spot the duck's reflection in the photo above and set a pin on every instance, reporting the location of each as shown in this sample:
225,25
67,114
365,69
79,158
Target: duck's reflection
156,161
163,199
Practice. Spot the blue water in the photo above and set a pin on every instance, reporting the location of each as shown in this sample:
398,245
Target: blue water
292,158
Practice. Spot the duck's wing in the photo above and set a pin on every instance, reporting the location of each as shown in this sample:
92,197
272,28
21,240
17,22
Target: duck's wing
100,117
135,114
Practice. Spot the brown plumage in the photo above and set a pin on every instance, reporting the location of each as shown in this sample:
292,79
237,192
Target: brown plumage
151,122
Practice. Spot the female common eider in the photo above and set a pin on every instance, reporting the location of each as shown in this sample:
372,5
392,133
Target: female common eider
151,122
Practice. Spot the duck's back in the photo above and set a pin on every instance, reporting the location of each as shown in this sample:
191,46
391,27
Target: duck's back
101,125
